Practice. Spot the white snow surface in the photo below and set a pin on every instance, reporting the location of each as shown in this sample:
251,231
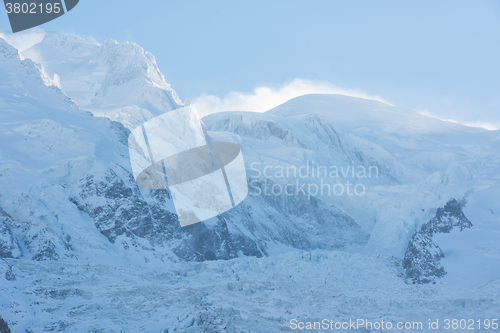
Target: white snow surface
48,141
241,295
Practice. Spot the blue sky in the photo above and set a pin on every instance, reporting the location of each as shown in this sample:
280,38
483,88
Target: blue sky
440,56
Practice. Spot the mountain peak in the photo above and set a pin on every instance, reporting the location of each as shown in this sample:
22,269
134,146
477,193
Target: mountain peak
118,80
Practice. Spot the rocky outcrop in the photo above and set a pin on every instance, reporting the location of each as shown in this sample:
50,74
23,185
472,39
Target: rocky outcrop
9,247
119,208
422,258
4,328
447,218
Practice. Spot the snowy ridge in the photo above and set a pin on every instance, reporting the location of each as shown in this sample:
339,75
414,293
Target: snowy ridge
117,80
82,248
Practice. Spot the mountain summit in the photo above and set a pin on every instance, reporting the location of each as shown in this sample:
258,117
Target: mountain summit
117,80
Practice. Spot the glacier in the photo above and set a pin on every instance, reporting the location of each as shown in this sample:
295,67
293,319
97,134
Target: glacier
83,249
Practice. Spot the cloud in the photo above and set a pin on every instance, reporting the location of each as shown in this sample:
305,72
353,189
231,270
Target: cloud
265,98
491,126
23,40
483,124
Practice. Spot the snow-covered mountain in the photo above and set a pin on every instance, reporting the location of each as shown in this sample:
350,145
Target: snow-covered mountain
67,191
83,248
421,162
117,80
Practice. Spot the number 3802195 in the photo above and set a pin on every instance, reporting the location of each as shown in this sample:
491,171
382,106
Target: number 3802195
33,8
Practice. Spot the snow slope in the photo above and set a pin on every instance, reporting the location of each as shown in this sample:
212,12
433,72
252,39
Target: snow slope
240,295
84,249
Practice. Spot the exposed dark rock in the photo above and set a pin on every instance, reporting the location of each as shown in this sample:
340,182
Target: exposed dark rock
203,239
9,275
118,207
4,328
61,294
422,257
446,219
7,241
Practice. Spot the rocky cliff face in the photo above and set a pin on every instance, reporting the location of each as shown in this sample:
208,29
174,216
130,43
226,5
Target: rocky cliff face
422,257
136,218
